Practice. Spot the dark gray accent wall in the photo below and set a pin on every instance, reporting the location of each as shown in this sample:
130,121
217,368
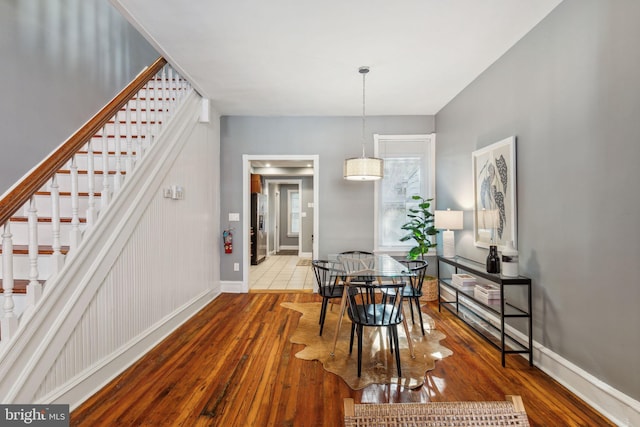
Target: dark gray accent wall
285,240
570,92
345,209
62,60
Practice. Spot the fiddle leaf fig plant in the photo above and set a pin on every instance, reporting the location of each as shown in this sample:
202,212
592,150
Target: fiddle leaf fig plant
420,228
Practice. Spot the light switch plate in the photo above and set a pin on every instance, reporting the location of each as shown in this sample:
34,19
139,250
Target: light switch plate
234,216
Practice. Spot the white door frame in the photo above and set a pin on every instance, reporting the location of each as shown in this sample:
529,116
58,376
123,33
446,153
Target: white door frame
314,160
276,210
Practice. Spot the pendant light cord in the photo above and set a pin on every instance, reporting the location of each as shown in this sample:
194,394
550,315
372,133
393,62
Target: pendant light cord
363,71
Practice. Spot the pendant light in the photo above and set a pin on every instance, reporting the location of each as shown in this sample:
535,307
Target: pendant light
363,168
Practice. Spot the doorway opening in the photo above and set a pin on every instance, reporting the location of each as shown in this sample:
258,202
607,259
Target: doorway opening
289,189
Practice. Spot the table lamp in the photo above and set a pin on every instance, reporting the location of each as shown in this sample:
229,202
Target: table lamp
448,220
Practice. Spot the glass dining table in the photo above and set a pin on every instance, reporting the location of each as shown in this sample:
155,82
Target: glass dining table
375,268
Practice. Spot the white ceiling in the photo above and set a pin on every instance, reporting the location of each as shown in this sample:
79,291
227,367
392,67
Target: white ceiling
301,57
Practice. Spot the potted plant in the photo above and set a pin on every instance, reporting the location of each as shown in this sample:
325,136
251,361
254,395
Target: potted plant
420,228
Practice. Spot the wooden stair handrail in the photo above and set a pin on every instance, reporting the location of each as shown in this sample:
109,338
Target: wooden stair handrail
21,193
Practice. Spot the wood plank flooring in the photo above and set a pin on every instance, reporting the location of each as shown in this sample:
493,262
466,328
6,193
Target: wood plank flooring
233,365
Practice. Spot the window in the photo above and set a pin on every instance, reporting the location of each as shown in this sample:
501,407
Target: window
293,214
409,169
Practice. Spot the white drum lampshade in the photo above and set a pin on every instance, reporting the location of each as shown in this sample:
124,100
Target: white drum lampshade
448,220
363,169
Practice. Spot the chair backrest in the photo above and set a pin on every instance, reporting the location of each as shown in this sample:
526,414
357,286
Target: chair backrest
326,275
357,254
369,307
353,264
419,269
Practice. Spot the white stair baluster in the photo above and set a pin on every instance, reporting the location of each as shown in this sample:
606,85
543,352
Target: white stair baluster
9,322
91,209
129,160
185,86
139,141
163,98
74,235
106,188
179,86
57,259
148,136
117,183
34,288
172,92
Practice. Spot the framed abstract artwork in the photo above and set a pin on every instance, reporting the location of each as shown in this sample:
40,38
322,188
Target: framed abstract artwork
494,191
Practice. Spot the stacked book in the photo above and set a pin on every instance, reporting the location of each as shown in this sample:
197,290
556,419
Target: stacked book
463,282
486,293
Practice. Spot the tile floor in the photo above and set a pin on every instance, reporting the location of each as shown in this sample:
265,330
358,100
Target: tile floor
280,272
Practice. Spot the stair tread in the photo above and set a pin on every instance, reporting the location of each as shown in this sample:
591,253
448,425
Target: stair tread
19,285
42,249
22,218
85,172
67,193
111,153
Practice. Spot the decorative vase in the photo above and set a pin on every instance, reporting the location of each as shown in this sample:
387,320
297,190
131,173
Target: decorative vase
493,260
510,261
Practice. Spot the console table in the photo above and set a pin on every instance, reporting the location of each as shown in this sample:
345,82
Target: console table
477,314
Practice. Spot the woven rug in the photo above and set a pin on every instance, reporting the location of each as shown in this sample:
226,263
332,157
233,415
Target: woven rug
378,364
304,262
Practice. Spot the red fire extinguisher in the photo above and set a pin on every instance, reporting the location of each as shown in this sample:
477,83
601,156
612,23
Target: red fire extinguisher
227,238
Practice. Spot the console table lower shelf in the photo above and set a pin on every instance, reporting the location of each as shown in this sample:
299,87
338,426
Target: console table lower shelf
486,329
488,318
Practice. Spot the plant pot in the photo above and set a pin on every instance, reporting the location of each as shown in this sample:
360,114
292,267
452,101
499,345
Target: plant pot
430,288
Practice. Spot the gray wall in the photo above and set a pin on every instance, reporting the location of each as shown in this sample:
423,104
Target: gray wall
345,209
570,93
62,61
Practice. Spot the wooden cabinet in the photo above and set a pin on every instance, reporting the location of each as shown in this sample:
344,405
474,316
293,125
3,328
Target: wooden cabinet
256,183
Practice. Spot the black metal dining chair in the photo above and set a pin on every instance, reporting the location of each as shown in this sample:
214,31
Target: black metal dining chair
413,288
376,309
354,258
329,284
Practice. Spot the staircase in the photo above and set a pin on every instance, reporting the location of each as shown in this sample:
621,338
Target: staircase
51,225
112,259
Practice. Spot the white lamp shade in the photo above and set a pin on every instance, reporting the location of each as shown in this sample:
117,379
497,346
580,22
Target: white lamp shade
448,220
363,169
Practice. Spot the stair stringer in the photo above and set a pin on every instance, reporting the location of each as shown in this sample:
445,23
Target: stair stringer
99,315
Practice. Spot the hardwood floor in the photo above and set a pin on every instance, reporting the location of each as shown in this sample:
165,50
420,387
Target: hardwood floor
233,365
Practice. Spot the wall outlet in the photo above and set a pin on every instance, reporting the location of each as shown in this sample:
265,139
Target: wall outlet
236,266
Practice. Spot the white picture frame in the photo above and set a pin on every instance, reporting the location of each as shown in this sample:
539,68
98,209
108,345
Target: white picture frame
494,192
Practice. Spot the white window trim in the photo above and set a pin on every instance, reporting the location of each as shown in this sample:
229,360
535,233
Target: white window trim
378,139
290,212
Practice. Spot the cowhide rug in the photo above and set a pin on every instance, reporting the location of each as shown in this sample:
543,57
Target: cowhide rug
378,364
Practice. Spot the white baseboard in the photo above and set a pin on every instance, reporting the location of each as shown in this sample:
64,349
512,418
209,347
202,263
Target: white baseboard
98,376
232,287
611,403
289,247
305,254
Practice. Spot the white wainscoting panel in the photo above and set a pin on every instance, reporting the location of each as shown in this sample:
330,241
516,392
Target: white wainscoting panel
149,264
